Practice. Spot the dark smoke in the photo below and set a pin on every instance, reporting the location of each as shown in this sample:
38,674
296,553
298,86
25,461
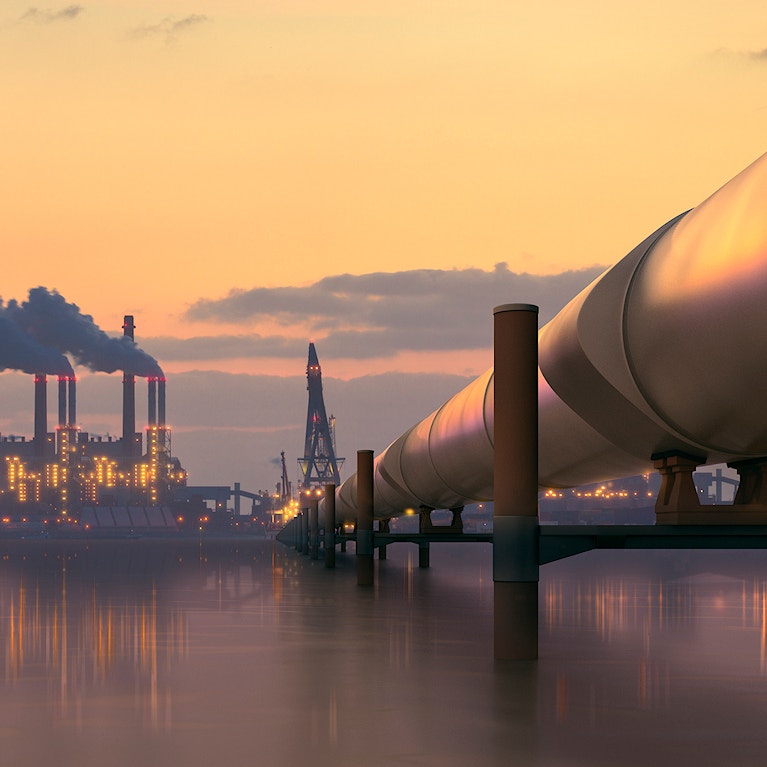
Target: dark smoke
19,351
52,321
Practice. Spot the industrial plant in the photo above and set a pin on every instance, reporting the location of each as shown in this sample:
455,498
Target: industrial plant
65,478
67,475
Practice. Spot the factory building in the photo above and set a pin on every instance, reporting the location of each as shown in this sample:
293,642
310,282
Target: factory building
67,470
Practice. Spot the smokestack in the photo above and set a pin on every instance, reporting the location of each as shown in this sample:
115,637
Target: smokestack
62,401
129,396
41,413
72,401
152,391
161,401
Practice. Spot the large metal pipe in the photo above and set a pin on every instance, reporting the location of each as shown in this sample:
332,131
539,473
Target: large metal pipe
662,352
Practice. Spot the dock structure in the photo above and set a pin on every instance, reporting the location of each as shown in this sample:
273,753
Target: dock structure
610,387
520,544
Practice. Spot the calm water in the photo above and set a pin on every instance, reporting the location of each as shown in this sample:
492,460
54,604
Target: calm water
157,653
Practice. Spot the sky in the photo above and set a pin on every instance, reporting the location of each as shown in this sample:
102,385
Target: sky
243,177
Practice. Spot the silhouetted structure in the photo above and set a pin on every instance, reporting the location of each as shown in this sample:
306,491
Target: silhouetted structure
64,472
319,465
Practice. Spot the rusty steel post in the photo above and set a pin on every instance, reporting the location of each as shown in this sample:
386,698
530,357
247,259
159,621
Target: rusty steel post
314,529
364,517
305,530
330,526
515,467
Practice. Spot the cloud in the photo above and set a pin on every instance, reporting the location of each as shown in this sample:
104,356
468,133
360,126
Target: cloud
170,27
728,54
47,16
20,351
48,318
377,314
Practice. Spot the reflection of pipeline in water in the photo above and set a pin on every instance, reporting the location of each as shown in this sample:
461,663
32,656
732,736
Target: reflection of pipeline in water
662,352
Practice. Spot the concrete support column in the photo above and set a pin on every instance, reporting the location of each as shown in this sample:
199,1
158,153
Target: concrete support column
314,529
364,517
297,531
753,482
330,526
515,521
677,488
456,525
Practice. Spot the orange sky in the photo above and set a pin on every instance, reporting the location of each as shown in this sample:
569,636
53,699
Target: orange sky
156,153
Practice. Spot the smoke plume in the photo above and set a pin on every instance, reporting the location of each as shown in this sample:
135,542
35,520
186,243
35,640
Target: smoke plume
19,351
53,322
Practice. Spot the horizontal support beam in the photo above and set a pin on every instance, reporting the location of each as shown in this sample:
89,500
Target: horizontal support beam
384,539
557,542
561,541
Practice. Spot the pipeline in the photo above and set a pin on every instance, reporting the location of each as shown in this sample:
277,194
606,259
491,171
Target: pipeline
663,352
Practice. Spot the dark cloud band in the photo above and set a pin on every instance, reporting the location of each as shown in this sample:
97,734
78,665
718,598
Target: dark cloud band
170,27
375,315
46,16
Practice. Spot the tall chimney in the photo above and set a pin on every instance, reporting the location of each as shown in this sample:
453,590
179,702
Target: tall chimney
161,401
129,396
72,401
62,401
152,391
41,413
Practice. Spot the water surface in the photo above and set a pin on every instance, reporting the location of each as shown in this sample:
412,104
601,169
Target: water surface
211,653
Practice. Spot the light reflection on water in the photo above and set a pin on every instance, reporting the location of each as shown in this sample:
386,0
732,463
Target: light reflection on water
247,653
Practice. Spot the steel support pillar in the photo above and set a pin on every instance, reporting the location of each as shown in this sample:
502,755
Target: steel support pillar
383,527
305,531
314,529
423,554
364,517
329,542
297,532
515,466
